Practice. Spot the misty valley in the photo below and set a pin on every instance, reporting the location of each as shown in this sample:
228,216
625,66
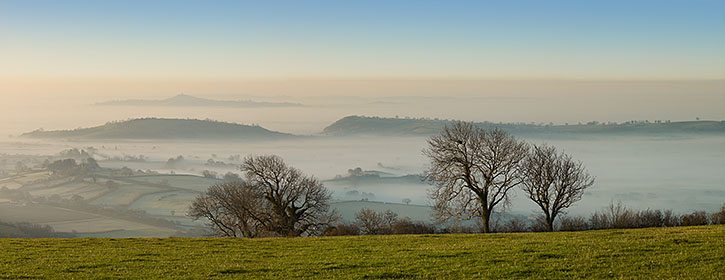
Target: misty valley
137,178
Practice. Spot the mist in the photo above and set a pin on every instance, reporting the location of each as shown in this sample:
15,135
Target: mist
680,172
29,106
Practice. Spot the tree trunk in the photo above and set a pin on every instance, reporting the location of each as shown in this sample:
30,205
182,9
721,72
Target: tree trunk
485,219
550,222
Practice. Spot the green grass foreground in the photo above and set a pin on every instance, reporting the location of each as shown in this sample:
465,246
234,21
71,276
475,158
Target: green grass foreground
657,253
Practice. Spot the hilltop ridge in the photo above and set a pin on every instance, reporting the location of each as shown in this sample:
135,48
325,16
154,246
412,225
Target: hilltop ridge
161,128
361,125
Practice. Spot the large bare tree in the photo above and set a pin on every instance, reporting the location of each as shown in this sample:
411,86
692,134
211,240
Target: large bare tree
473,170
273,200
233,209
298,204
554,181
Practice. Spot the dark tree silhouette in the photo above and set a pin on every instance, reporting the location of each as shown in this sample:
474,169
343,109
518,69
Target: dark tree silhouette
297,204
233,209
473,170
273,200
554,181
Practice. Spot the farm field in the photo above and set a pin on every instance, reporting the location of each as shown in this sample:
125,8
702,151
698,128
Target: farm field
83,223
68,190
160,196
189,182
659,253
124,195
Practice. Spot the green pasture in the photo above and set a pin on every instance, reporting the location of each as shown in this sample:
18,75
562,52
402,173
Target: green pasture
655,253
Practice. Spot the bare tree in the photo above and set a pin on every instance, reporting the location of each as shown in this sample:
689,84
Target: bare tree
370,222
554,181
233,209
473,170
374,222
274,200
298,204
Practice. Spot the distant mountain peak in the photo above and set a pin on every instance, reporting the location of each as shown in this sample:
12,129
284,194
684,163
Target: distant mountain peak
184,96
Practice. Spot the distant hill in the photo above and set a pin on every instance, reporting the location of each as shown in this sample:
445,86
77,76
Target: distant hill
357,125
376,179
156,128
183,100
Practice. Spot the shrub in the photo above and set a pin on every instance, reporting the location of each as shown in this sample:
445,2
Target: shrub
514,225
670,219
697,218
718,218
406,226
577,223
650,218
342,229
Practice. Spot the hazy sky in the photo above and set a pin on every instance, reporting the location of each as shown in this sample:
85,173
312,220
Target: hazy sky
560,61
371,39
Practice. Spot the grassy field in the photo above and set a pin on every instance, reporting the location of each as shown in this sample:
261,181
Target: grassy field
658,253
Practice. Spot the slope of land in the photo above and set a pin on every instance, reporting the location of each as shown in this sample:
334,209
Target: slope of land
101,204
167,129
183,100
357,125
655,253
72,203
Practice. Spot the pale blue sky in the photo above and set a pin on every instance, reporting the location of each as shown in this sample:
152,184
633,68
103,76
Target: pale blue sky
364,39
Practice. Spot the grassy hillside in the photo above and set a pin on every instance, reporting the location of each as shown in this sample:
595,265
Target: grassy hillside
171,129
356,125
657,253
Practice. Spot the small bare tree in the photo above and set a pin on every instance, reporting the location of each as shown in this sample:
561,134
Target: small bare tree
298,204
373,222
553,181
473,170
370,222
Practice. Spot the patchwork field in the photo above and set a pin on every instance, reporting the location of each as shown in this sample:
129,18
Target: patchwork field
189,182
68,190
36,213
124,195
83,223
164,203
655,253
109,227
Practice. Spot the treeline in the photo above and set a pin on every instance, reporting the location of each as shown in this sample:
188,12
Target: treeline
615,216
371,222
618,216
30,230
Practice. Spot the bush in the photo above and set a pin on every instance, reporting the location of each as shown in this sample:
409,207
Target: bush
614,216
670,219
405,226
342,229
573,224
650,218
371,222
697,218
718,218
539,224
514,225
